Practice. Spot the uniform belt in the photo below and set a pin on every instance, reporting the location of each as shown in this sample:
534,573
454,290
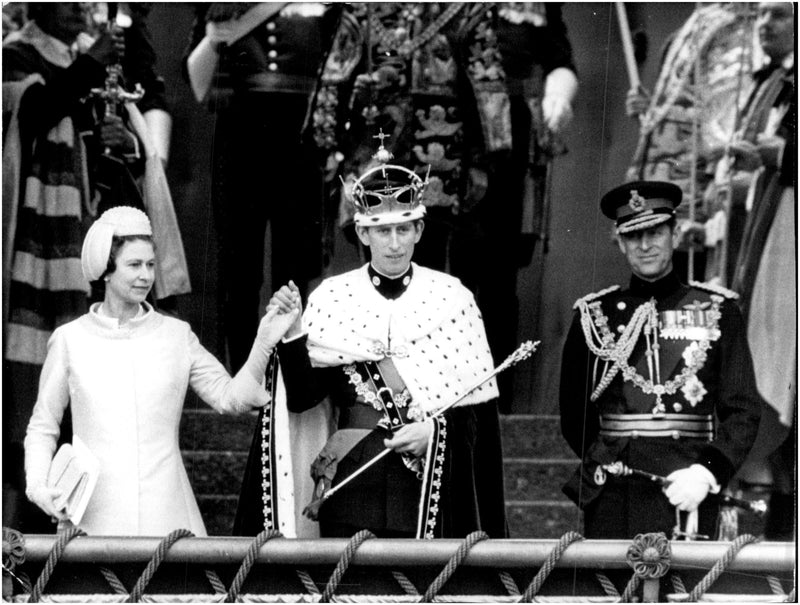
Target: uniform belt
277,82
359,417
677,426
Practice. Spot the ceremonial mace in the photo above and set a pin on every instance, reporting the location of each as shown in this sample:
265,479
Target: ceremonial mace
619,469
525,350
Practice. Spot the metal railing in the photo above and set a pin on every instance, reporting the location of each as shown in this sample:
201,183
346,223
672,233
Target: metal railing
368,569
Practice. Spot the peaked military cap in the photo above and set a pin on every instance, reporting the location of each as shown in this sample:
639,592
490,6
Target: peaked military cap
641,204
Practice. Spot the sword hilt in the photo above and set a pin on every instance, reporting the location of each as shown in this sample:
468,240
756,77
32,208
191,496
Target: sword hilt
620,469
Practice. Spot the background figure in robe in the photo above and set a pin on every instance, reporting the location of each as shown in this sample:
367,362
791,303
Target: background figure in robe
518,57
703,81
256,66
766,267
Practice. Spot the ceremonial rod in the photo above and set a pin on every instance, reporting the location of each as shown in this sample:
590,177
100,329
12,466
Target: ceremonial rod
759,507
525,350
627,46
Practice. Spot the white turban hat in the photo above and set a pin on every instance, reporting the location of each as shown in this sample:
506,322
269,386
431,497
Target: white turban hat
120,221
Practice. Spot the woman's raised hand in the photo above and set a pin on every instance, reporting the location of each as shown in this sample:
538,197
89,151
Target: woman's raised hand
284,315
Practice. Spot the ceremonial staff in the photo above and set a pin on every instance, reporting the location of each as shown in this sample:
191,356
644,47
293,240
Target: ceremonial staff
627,49
619,469
112,176
525,350
627,46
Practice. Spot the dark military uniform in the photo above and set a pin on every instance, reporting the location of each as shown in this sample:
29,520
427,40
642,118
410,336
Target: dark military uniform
262,170
657,376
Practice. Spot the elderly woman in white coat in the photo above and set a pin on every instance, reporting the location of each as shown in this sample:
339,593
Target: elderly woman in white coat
124,369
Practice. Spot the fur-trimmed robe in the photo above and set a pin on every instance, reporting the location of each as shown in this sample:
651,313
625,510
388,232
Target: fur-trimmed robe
436,323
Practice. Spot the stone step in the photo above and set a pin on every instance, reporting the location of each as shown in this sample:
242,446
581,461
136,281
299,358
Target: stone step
220,473
524,435
534,479
533,436
542,520
205,429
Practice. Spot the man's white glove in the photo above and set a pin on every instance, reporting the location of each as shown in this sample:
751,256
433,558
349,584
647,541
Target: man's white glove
688,487
560,87
557,113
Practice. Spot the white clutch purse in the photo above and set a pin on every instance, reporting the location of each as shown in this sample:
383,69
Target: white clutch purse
74,472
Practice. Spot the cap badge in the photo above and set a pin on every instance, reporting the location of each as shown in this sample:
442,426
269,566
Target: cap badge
637,201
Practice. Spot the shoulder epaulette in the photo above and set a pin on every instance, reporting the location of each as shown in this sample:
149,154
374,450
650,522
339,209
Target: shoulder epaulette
714,289
595,295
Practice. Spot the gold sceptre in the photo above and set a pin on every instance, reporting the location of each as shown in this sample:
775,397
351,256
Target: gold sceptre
524,351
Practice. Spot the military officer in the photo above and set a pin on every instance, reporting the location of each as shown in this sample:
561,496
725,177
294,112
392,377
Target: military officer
656,377
256,66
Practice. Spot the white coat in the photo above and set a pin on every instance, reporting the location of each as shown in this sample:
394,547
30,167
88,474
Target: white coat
126,388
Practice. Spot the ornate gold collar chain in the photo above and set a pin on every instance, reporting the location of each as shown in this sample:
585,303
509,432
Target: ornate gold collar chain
405,46
617,352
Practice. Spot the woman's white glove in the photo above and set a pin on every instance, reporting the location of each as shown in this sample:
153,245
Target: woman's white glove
688,487
286,300
271,330
274,326
44,497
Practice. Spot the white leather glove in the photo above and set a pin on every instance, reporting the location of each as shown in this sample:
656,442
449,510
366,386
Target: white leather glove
557,112
688,487
44,497
271,330
560,88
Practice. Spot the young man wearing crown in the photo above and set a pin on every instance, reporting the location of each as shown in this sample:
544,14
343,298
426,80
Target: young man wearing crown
387,346
658,379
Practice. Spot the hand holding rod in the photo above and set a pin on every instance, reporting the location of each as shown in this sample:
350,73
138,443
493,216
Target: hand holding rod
525,350
112,93
619,469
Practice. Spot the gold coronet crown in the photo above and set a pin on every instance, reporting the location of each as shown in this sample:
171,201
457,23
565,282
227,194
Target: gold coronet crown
387,193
